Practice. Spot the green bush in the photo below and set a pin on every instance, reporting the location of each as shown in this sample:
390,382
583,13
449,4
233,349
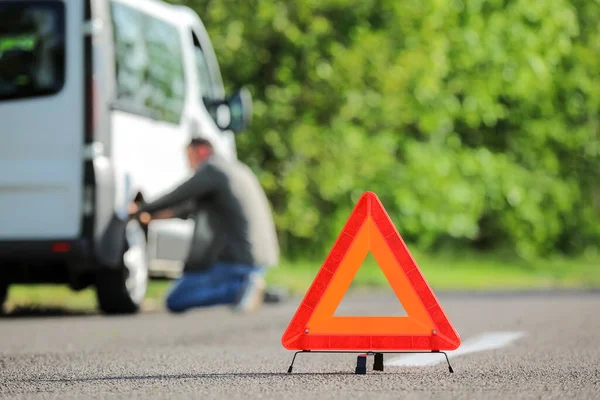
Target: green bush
475,121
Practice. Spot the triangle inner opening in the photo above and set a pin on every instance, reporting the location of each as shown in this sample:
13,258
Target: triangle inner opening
370,294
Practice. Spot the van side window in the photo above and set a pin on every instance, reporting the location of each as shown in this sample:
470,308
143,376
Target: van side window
149,64
131,57
166,82
205,81
206,87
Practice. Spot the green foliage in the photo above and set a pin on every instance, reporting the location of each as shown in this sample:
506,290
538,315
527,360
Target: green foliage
475,121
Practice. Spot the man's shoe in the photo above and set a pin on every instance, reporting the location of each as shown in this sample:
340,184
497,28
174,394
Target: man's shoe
274,295
252,294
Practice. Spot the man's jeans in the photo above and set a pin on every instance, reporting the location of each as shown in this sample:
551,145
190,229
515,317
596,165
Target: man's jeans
220,284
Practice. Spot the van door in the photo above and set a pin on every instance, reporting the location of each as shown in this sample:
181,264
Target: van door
41,119
148,141
167,164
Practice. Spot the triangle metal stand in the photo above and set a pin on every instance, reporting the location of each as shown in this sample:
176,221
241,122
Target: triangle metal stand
361,361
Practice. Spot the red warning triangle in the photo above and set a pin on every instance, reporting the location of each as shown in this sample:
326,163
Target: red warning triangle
314,326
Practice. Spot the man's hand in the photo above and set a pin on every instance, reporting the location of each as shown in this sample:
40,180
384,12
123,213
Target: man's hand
132,209
144,217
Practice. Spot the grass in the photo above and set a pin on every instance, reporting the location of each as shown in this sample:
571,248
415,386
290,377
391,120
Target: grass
463,272
443,272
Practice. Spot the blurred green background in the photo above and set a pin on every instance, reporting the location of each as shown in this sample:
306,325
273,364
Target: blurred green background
476,122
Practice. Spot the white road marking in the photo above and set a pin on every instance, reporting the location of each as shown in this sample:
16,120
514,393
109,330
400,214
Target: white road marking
485,341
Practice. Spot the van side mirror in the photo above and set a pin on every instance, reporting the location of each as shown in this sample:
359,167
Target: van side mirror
240,110
233,113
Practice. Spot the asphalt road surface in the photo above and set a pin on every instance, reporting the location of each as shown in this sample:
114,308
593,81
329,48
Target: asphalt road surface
215,354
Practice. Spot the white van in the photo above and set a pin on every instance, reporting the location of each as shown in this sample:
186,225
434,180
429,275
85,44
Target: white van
98,99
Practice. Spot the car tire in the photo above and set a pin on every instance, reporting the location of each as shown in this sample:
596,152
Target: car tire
122,290
3,295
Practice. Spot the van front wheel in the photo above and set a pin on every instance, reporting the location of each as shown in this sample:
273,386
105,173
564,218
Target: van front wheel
122,290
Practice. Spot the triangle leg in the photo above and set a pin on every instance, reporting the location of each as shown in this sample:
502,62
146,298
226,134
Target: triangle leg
378,362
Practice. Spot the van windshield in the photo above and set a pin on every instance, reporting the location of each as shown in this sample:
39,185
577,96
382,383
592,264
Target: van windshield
32,48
